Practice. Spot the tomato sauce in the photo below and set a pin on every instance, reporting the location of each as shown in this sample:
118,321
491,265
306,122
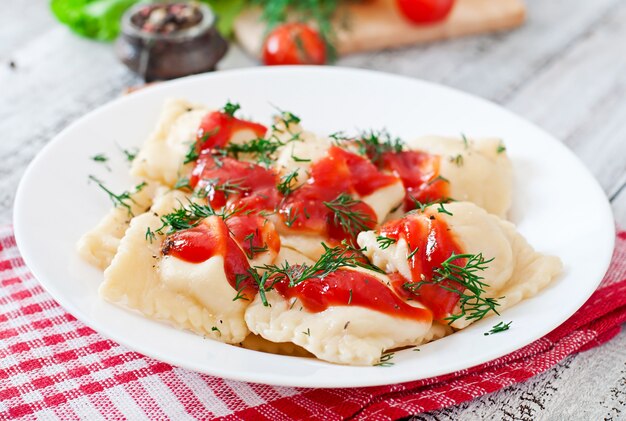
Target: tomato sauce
349,287
419,172
217,128
244,185
213,237
340,172
435,243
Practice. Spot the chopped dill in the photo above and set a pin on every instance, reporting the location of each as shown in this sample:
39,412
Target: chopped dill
351,220
385,360
464,281
500,327
123,199
385,242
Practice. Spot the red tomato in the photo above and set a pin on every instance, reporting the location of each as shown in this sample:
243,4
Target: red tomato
294,43
425,11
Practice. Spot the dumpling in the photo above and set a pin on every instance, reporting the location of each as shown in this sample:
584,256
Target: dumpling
497,260
161,157
349,316
99,245
196,279
478,171
184,130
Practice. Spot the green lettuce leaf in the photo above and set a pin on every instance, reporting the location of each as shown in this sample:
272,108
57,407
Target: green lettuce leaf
100,19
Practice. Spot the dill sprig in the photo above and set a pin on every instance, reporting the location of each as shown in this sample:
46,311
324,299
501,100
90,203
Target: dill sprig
351,220
130,154
227,187
385,360
261,149
100,158
190,216
333,258
374,144
501,148
385,242
285,187
123,199
231,108
254,249
500,327
464,281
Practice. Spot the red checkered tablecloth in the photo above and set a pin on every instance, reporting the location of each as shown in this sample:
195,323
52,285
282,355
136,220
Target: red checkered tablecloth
52,366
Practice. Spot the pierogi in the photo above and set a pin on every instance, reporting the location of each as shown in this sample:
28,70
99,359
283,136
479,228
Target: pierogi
337,247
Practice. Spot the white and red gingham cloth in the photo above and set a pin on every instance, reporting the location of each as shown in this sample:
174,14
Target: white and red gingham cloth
54,367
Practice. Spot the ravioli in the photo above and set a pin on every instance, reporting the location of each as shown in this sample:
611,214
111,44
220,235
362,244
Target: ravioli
274,240
514,270
193,296
478,171
99,245
161,157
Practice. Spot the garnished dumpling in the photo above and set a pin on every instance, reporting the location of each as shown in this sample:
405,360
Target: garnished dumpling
459,261
99,245
278,239
196,278
336,311
477,171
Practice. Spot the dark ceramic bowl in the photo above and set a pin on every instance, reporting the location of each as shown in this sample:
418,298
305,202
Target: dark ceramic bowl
161,56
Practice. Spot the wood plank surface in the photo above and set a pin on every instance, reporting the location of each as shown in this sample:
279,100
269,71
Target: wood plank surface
377,24
565,69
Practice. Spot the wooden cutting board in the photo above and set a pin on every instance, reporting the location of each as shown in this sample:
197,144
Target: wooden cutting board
377,24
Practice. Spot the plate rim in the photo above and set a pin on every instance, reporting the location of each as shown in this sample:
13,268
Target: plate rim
281,379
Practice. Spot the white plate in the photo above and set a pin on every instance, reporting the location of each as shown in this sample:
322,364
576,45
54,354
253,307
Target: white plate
558,206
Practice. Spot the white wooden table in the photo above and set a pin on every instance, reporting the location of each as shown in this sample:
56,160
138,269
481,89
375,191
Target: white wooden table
565,70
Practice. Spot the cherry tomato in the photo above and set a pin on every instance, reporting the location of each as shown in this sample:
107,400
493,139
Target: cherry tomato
425,11
294,43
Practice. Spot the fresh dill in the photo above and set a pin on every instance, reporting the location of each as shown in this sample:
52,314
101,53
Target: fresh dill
308,332
332,259
239,278
465,141
261,149
186,217
297,159
436,179
291,217
464,281
285,187
102,158
231,108
253,250
182,184
130,154
351,220
500,327
385,242
385,360
442,209
150,236
458,160
412,253
374,144
123,199
501,148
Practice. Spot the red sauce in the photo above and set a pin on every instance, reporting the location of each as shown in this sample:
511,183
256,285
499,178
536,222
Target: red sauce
436,244
244,185
419,172
348,287
339,172
208,239
254,234
217,128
